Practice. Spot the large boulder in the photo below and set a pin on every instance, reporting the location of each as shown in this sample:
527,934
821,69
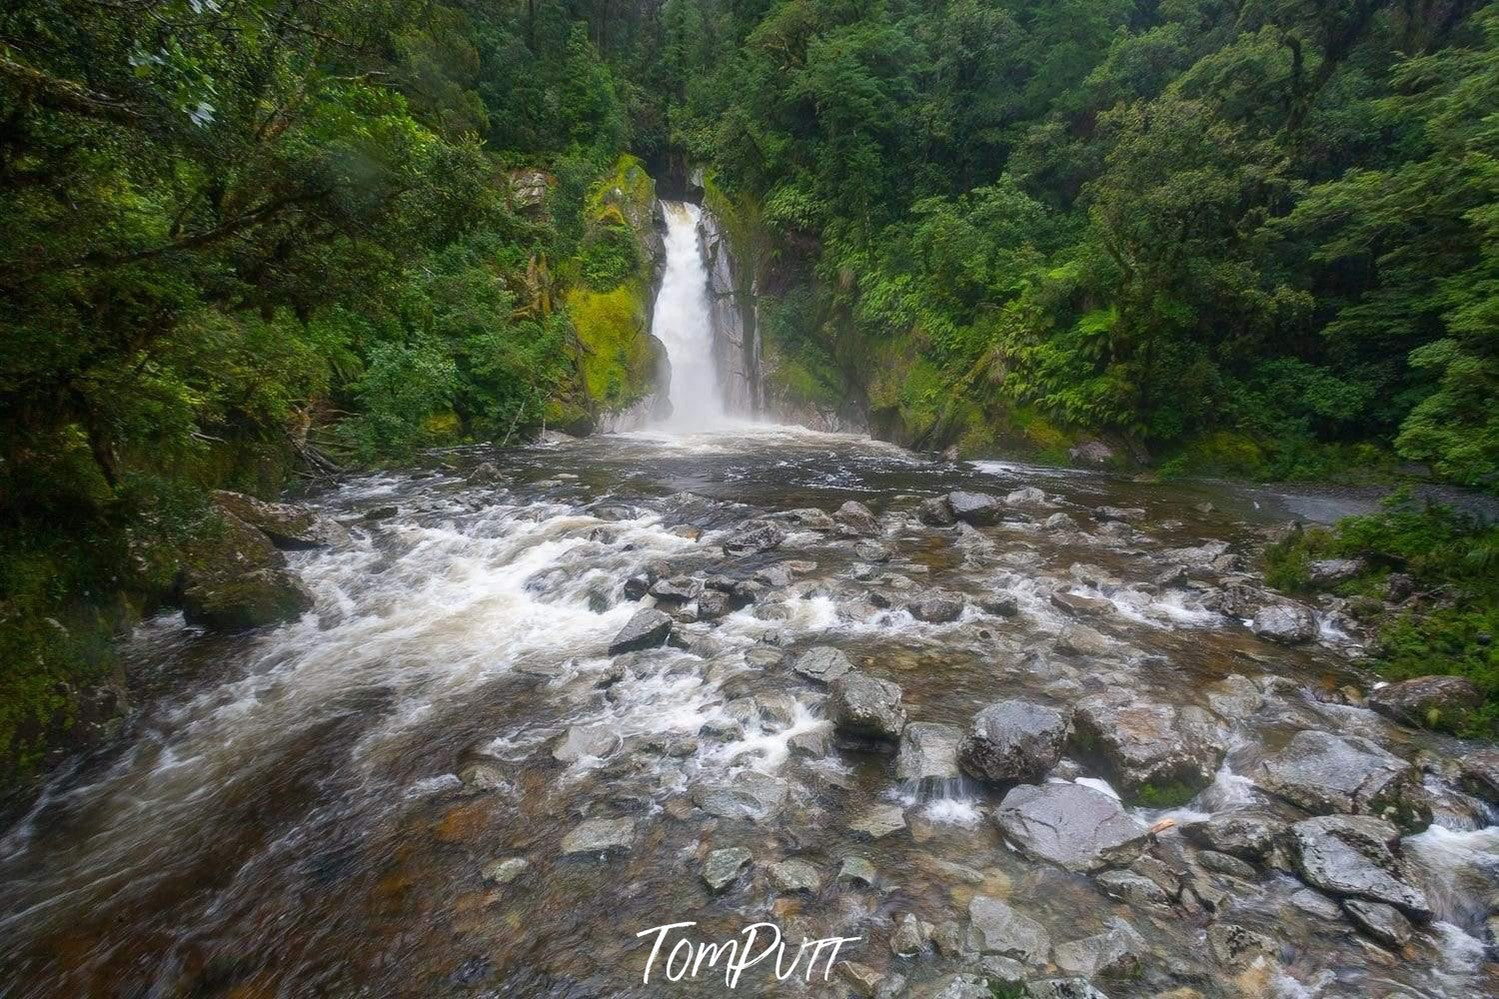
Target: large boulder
856,518
722,868
822,663
1248,835
1332,571
1155,754
977,509
754,537
599,836
747,795
647,629
865,706
1000,929
233,579
1354,856
1012,741
928,750
936,607
289,526
936,512
1428,700
586,740
1328,774
1076,827
1116,952
1285,623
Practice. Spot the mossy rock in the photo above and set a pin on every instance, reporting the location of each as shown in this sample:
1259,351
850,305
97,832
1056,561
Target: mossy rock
616,362
251,600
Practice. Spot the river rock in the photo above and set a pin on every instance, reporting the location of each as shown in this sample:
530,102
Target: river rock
289,526
1235,696
1156,754
1116,952
865,706
1314,903
486,474
677,589
647,629
1027,498
1105,514
793,875
753,538
867,982
857,518
978,509
1237,946
1384,923
1353,855
1080,604
1013,740
928,750
586,740
1245,834
1427,700
1059,522
1134,889
1480,772
1093,453
599,836
1332,571
749,794
879,821
936,607
248,600
936,512
714,604
859,871
910,937
1002,930
1062,988
1073,826
871,551
1227,864
1285,623
1081,640
1324,774
503,872
810,518
822,663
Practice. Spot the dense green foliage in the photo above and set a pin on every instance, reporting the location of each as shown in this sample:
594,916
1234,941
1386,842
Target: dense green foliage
1252,235
1449,625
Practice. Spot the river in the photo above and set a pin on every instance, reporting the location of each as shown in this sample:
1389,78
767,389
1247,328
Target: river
317,808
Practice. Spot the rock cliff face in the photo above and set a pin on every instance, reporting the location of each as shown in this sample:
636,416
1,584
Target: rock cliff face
736,343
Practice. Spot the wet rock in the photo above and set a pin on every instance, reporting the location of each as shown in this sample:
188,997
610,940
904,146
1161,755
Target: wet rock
1027,498
1070,825
1247,835
1116,952
774,576
977,509
379,513
910,937
822,663
1013,740
648,629
795,875
1427,700
240,602
1004,931
1224,863
677,589
1382,922
1237,946
936,607
482,776
1155,754
879,821
289,526
486,474
864,706
1059,522
936,512
1079,604
1133,889
1353,855
813,743
753,538
856,517
1285,623
722,729
1174,578
810,518
953,940
1095,454
1314,903
586,740
1163,874
1332,571
960,986
1104,514
600,836
872,551
1480,772
746,795
1325,774
1235,697
866,982
778,708
1000,606
1063,988
503,872
714,604
928,750
859,871
1081,640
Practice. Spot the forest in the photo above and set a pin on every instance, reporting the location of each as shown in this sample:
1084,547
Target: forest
253,242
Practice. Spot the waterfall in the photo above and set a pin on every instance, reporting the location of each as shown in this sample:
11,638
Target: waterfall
682,322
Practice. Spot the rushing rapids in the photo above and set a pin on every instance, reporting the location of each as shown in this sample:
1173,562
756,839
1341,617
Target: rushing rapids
483,765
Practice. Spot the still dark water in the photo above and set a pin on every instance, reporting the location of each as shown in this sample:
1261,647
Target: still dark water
312,815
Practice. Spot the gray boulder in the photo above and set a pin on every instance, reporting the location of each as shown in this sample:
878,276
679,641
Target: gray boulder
599,836
1427,700
1353,856
879,821
255,599
1062,988
1013,740
936,607
1080,604
747,795
677,589
753,538
960,986
1105,514
977,509
503,872
856,518
647,629
288,526
1332,571
1116,952
1248,835
586,740
1155,754
1073,826
1327,774
1237,946
928,750
1285,623
1384,923
864,706
936,512
1002,930
795,875
911,936
822,663
1028,498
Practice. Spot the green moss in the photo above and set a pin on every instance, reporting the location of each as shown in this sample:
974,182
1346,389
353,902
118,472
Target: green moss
1168,795
615,360
1220,454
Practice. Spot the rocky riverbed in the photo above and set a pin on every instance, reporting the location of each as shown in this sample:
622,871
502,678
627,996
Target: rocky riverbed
1019,731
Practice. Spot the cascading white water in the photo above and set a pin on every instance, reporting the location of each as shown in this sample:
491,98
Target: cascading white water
682,322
